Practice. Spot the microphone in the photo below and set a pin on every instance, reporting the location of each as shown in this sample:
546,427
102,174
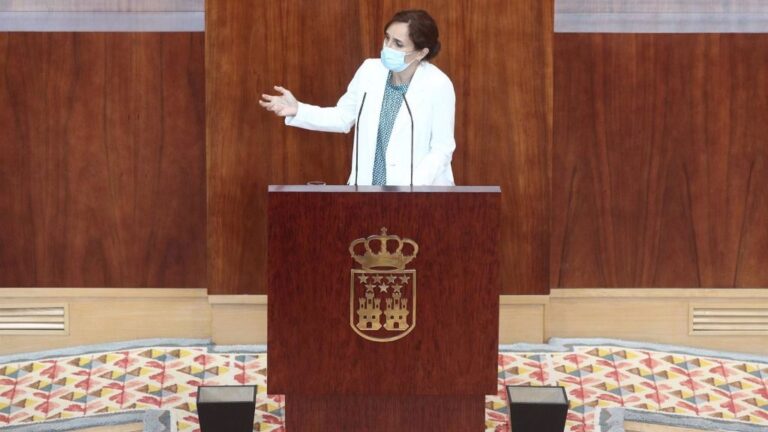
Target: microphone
357,137
411,116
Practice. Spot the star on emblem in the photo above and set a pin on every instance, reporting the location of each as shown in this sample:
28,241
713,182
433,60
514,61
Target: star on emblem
391,279
383,288
404,279
363,279
377,278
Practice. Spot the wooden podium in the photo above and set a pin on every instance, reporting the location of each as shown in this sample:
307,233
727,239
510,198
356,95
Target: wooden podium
363,338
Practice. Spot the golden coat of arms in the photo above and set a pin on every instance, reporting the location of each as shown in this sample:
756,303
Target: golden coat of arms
382,306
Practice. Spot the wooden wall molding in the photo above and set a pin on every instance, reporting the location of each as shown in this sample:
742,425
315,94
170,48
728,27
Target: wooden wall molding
659,316
230,314
100,315
238,319
522,318
108,315
582,293
638,314
238,299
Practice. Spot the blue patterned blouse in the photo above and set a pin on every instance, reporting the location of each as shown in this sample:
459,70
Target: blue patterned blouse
390,105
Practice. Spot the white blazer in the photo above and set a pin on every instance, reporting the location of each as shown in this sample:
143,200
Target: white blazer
433,104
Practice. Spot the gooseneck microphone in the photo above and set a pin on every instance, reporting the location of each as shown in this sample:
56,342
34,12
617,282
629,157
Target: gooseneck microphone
357,137
411,116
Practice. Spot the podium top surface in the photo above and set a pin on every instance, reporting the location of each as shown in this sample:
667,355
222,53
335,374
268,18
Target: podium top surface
383,189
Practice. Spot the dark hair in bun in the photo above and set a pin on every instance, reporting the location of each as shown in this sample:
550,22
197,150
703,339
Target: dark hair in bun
422,29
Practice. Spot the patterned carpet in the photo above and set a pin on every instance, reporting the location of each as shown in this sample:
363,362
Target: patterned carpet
57,387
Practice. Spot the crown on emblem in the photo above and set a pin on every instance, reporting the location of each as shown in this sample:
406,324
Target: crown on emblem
383,256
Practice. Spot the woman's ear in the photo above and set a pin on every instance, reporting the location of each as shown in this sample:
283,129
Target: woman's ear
424,52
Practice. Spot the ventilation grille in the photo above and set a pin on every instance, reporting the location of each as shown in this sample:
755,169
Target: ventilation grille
33,319
728,319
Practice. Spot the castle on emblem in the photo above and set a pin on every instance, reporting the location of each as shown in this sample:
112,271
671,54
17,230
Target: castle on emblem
369,311
397,312
383,280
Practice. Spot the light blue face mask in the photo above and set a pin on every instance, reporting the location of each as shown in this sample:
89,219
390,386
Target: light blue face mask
394,60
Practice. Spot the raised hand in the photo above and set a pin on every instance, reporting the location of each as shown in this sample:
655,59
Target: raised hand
283,105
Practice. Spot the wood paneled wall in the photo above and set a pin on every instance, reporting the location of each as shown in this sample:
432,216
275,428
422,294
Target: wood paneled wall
504,132
496,52
660,161
102,160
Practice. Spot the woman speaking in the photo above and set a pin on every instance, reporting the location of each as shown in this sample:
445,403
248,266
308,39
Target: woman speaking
402,106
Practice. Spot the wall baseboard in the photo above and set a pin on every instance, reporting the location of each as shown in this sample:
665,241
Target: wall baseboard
522,318
646,315
649,315
238,319
99,315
